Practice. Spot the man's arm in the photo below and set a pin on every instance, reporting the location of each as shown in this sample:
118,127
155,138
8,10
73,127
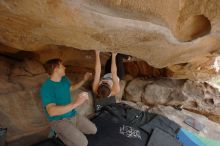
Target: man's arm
116,85
97,73
87,76
55,110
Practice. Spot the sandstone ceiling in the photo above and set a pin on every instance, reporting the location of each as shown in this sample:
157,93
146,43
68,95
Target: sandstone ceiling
161,32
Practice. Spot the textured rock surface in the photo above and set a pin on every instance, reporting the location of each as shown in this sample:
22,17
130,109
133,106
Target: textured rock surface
7,86
150,30
141,68
20,107
195,96
70,56
134,90
157,94
164,91
201,70
21,112
5,67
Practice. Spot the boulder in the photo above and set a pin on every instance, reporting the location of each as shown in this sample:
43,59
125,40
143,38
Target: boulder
22,113
8,87
30,82
135,89
164,91
33,67
5,67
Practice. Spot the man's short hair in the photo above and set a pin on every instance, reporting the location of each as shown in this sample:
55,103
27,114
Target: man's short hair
51,64
103,91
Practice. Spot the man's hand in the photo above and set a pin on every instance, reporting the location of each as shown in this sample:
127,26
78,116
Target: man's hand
87,76
82,97
55,110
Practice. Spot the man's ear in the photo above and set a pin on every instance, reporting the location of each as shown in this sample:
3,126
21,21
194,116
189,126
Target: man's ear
55,69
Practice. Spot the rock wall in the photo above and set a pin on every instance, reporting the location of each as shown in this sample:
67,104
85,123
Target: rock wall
162,33
20,107
195,96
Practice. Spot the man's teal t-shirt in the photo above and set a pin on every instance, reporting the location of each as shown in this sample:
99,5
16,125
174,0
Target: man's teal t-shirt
58,93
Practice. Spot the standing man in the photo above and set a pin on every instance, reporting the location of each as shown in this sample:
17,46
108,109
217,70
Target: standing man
59,108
